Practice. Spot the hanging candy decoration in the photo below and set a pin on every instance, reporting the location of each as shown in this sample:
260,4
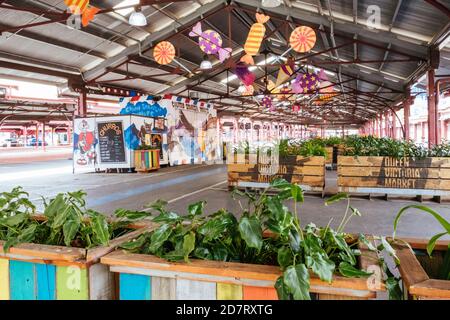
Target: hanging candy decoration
249,91
286,71
210,42
244,74
83,8
164,52
296,107
307,82
326,93
268,103
255,38
302,39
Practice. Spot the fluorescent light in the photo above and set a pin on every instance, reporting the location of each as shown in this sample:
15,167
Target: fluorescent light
206,64
125,12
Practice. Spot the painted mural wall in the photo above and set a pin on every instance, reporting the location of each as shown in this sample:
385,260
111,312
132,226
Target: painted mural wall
192,128
109,142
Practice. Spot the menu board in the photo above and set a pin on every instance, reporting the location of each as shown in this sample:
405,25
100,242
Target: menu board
111,143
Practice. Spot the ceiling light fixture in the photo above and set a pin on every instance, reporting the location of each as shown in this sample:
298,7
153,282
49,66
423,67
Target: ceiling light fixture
270,3
205,64
137,18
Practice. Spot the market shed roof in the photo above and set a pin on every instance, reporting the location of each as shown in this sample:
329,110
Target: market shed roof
369,67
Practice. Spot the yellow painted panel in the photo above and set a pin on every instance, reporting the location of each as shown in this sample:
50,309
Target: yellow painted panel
227,291
4,279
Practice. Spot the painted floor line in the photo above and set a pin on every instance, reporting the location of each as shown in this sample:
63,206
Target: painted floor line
125,194
195,192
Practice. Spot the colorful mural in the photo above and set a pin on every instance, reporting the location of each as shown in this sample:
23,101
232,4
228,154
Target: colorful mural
191,128
84,143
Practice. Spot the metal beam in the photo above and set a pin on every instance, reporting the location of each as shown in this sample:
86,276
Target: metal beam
187,21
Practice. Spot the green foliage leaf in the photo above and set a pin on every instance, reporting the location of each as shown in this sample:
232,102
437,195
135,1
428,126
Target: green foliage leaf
251,231
349,271
188,245
336,198
167,217
321,265
70,230
159,237
158,205
284,257
444,223
196,209
296,279
15,220
297,193
282,289
393,288
100,229
135,244
131,215
432,243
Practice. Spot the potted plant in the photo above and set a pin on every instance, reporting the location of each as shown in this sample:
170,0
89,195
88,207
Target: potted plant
302,163
387,166
425,265
265,254
55,255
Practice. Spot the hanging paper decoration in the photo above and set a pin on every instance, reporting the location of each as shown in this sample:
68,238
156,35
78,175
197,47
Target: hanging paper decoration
286,71
306,82
244,74
83,8
302,39
268,103
326,93
296,107
164,52
210,42
255,38
249,91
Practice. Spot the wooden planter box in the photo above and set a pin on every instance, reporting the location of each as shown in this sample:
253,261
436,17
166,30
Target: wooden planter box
406,176
248,171
146,277
417,269
31,271
146,160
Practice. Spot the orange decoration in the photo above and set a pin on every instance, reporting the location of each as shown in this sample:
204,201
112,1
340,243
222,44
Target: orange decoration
303,39
255,38
164,52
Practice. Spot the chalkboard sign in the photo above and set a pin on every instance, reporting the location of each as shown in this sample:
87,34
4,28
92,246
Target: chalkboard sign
112,148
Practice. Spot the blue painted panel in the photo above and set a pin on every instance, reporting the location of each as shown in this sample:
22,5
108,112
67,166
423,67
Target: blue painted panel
46,281
135,287
22,280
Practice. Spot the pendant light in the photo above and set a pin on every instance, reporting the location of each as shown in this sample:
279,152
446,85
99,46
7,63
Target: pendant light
206,64
270,3
137,18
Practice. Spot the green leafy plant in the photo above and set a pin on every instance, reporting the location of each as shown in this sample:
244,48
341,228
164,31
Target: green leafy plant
267,232
444,273
65,222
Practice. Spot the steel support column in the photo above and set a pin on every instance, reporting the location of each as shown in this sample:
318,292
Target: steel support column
82,104
432,114
406,113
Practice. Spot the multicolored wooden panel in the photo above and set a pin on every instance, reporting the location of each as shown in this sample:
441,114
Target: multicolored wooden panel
143,287
22,280
146,160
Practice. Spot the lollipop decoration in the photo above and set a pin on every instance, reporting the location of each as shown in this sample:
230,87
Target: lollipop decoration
255,38
302,39
210,42
164,52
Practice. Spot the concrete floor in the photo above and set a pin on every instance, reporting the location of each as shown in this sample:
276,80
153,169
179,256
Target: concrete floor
187,184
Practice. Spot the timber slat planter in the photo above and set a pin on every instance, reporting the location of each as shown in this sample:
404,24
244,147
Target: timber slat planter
249,171
146,277
31,271
386,175
417,270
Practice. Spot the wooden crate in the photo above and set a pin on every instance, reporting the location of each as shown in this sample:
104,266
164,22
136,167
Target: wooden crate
42,272
405,176
146,160
146,277
417,283
249,171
